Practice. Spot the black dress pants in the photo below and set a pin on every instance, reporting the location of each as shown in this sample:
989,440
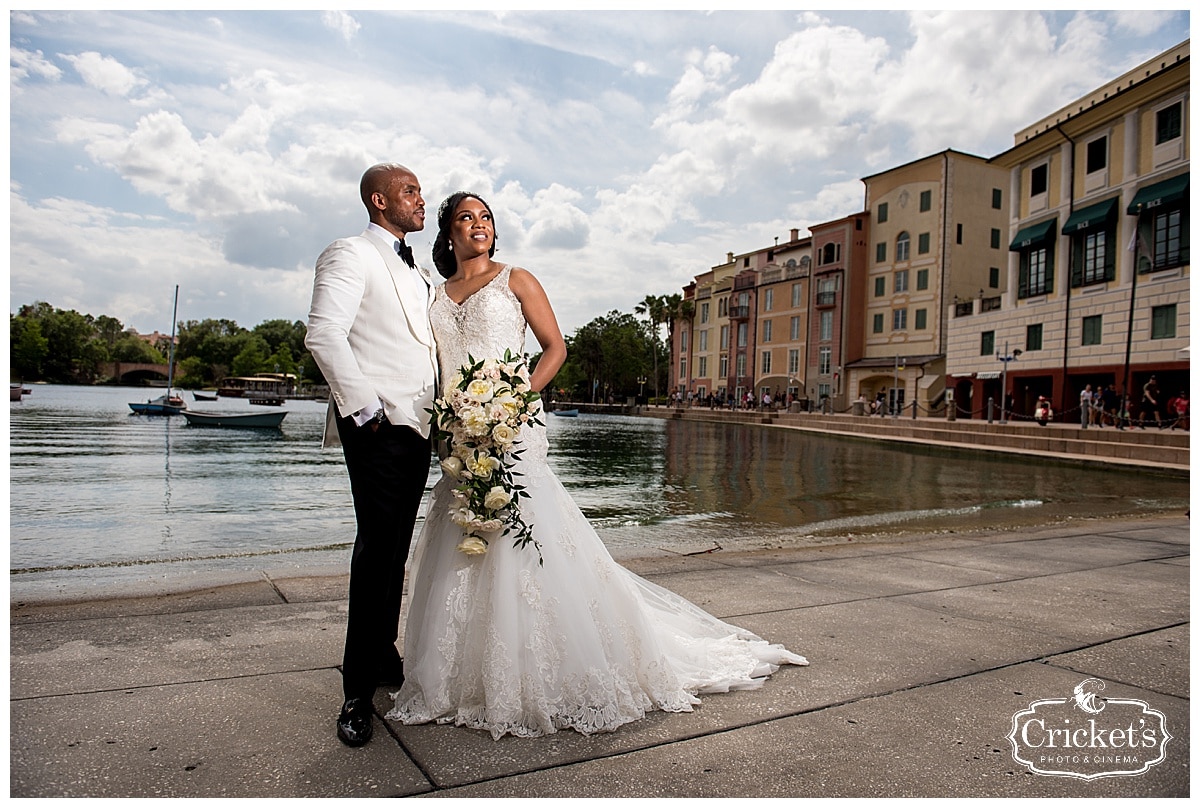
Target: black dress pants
388,469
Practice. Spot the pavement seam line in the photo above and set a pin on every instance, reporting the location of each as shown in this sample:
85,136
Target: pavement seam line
810,711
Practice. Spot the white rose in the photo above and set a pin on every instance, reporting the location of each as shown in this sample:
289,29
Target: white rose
472,545
504,434
453,466
491,525
496,498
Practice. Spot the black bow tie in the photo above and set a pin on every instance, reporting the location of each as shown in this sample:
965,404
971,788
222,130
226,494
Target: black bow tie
405,252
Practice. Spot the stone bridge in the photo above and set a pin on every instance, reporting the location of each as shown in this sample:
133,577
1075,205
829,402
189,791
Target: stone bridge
134,372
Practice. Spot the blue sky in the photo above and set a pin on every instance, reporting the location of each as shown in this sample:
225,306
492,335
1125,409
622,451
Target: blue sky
623,152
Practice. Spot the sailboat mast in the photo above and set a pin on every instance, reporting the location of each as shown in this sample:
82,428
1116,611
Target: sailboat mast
171,351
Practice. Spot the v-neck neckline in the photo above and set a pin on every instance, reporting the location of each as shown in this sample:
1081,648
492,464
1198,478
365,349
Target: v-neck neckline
477,291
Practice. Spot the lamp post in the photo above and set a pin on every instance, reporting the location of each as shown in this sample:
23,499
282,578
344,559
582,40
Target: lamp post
1006,358
641,387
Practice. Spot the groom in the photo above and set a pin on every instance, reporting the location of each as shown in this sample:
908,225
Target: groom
368,330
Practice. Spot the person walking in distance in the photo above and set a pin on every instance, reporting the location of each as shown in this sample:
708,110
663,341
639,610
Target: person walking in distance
369,333
1150,396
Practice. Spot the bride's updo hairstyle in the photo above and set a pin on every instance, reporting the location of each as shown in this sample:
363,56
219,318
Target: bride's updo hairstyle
443,253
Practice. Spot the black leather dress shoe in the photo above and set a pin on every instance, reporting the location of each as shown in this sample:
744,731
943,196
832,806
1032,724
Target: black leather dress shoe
354,723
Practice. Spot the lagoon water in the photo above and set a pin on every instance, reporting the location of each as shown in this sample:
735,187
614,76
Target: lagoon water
103,501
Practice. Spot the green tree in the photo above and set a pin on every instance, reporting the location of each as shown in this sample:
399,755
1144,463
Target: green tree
606,356
191,373
215,343
68,357
109,331
27,347
652,307
252,358
132,348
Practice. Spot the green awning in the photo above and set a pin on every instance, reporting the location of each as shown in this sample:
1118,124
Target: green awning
1160,193
1034,234
1092,216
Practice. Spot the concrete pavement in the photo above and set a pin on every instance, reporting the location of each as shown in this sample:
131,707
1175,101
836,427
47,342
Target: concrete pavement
922,649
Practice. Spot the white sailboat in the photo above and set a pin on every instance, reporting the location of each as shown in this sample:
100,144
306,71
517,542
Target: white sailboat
168,403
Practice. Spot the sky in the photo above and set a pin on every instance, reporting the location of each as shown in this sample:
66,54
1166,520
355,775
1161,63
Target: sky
623,152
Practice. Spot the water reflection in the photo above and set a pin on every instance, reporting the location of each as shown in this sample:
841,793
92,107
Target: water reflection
114,491
787,484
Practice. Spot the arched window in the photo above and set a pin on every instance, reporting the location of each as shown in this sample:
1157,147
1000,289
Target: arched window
902,246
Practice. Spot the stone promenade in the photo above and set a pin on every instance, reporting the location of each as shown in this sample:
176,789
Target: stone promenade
922,649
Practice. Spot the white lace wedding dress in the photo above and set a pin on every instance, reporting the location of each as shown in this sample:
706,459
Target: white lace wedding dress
499,643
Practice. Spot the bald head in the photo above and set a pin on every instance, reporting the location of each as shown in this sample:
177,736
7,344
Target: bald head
392,196
377,178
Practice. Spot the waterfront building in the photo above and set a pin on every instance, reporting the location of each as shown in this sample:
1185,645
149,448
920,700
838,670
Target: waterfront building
1096,286
782,318
936,231
964,274
836,304
700,357
747,332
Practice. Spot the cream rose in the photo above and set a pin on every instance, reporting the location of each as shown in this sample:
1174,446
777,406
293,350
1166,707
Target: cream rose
453,466
472,545
504,435
496,498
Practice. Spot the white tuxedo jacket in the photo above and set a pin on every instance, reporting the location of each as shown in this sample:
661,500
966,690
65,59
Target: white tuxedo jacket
369,332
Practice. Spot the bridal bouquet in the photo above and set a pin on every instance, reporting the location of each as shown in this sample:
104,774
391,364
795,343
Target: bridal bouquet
484,406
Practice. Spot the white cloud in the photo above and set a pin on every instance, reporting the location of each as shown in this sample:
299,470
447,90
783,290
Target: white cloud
103,261
105,73
25,63
341,23
1142,21
556,221
622,153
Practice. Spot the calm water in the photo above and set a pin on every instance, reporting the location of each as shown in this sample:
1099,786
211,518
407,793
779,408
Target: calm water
100,497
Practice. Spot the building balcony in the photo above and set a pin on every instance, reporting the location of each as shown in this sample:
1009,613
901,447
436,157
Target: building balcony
826,298
739,312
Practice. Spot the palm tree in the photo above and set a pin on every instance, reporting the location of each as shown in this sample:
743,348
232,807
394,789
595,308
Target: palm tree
687,311
652,308
671,305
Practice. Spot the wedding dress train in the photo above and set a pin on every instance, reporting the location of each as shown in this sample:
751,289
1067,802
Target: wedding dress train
500,643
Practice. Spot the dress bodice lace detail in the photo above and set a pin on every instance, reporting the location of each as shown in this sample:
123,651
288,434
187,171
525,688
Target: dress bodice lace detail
482,326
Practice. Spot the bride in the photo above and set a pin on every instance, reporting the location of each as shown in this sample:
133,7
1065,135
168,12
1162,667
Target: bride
501,642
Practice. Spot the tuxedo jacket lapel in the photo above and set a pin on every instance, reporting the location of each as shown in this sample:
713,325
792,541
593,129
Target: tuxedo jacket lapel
416,312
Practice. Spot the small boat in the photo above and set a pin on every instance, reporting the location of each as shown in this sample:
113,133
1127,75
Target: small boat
168,404
566,413
203,396
254,420
163,405
15,392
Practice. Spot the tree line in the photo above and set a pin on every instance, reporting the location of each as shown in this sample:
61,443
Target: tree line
65,347
614,356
